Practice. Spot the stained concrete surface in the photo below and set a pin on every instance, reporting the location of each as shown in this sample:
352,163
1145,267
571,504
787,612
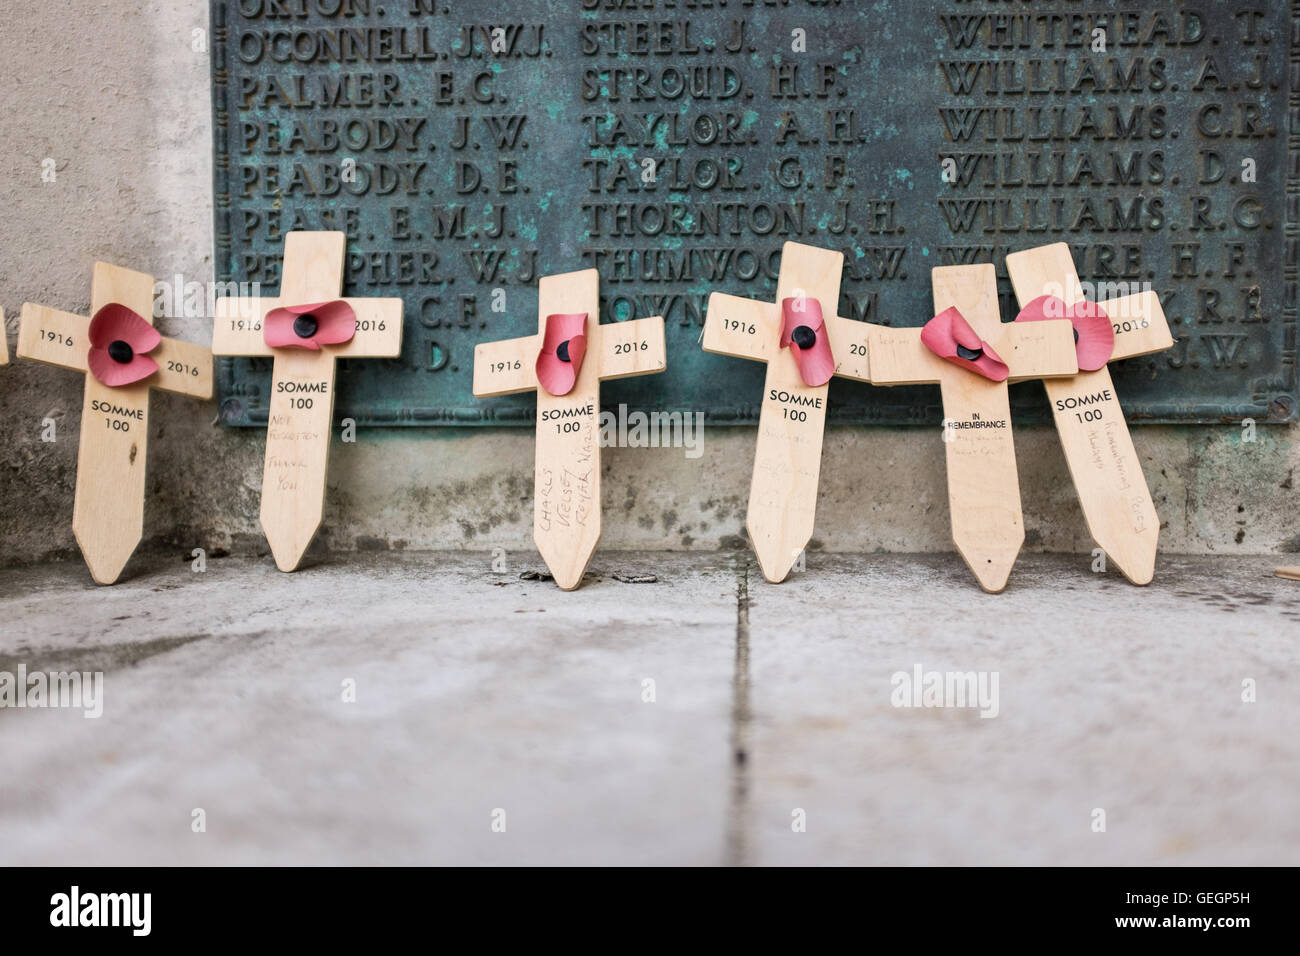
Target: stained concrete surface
477,691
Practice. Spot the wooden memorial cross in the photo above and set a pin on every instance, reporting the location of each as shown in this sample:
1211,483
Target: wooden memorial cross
788,452
1094,434
4,340
565,363
305,330
983,484
122,357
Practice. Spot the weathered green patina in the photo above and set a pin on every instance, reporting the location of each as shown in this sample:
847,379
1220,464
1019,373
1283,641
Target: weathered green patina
467,148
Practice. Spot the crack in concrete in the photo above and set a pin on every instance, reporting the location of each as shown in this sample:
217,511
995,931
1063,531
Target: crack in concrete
737,853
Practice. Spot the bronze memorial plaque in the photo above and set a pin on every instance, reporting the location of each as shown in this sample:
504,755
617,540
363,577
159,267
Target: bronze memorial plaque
466,148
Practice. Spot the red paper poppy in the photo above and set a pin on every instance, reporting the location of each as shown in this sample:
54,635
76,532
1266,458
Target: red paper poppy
564,343
1094,336
310,326
949,336
119,342
803,327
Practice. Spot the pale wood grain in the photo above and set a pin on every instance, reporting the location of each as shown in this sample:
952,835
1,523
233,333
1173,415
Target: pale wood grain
108,509
297,438
741,328
312,273
628,349
1107,473
183,368
295,470
236,332
566,512
54,338
507,367
747,328
1043,349
237,325
983,481
1141,325
301,413
851,347
788,451
899,358
567,479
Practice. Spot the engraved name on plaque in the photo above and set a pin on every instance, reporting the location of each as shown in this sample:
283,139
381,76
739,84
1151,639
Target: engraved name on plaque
467,148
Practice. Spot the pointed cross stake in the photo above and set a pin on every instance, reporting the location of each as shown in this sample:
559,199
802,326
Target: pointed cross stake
566,510
4,340
302,388
787,457
983,484
108,510
1094,434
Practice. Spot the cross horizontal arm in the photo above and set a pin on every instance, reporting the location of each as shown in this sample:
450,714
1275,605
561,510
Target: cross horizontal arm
379,330
53,337
184,368
743,328
1038,349
1139,319
899,358
506,367
1030,350
238,327
1140,325
633,348
851,346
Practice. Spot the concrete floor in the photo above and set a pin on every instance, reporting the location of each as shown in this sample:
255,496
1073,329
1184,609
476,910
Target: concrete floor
477,691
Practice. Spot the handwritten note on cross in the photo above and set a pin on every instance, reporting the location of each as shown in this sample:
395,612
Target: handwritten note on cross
787,457
983,484
566,507
301,412
108,509
1094,433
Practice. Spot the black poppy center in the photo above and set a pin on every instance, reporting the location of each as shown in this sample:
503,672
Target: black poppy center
804,337
305,326
970,355
1076,336
562,351
120,351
